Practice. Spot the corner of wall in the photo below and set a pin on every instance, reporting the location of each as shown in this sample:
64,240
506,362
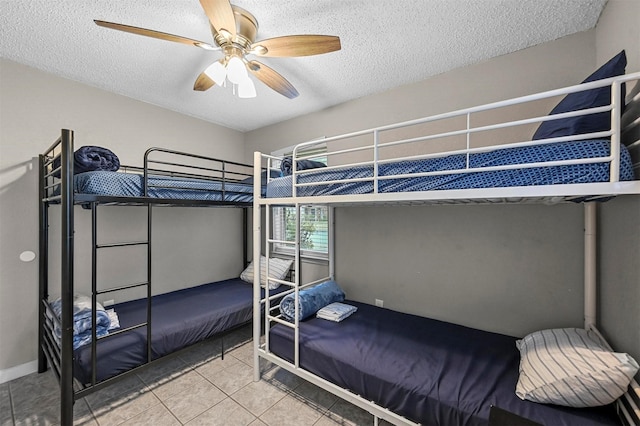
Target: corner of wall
618,29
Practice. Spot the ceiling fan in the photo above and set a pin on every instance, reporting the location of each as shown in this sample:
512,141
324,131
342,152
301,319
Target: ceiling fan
234,30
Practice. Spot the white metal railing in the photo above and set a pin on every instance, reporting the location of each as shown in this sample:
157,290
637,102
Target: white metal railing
627,406
369,154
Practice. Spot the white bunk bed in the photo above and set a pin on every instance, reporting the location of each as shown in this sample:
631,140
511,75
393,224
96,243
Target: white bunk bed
375,180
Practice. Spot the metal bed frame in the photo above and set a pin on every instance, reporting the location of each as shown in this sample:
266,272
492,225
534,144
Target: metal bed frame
60,192
628,404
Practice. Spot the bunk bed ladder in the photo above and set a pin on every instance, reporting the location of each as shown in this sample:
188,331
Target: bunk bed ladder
271,312
95,291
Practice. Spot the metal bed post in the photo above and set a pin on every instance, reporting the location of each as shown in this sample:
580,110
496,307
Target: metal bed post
331,211
149,292
268,210
617,104
94,291
149,228
245,242
66,295
43,276
257,243
590,293
296,344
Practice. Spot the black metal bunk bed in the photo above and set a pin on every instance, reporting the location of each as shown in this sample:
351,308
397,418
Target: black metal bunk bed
81,370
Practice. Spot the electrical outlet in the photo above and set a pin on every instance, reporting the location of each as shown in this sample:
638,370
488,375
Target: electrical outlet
379,302
108,303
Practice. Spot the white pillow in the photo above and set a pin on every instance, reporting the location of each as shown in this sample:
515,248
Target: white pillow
278,268
571,367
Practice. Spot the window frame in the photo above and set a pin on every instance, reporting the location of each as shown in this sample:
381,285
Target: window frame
288,249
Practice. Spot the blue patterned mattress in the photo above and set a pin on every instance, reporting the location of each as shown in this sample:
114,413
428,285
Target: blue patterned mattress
578,173
120,184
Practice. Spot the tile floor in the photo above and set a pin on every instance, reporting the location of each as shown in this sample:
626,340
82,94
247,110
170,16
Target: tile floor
195,388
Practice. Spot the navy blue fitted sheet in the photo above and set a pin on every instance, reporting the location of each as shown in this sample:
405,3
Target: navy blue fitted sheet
555,175
179,319
120,184
429,371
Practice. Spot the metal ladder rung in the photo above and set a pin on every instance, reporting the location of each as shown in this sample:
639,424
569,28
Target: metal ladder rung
132,243
124,287
123,330
281,321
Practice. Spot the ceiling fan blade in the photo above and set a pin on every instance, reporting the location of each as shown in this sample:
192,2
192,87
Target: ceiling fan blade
296,45
203,82
155,34
272,79
220,16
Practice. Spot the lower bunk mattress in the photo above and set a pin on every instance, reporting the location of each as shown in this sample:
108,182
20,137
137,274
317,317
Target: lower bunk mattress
179,319
429,371
533,176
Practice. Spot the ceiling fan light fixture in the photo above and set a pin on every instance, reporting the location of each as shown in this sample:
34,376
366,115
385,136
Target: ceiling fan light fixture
217,72
236,71
234,32
246,89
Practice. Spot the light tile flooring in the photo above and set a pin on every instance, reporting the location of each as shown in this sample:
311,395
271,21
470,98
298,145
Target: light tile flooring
195,388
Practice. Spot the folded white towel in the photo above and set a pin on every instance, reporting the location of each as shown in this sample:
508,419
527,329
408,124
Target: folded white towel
336,311
115,321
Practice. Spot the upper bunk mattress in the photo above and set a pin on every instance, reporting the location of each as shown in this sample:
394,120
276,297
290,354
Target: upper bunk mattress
118,184
429,371
178,319
553,175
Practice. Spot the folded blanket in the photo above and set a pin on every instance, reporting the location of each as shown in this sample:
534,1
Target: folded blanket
286,165
91,158
311,300
82,320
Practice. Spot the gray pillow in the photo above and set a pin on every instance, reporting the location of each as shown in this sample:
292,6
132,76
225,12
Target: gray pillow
571,367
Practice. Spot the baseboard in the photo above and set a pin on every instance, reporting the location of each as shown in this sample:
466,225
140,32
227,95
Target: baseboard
18,371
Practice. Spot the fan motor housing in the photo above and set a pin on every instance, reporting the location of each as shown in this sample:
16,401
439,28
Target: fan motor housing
246,29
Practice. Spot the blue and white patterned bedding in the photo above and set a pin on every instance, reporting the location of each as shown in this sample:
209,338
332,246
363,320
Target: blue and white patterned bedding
578,173
120,184
82,320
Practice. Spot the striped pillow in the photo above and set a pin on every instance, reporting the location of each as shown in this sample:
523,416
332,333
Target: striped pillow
571,367
278,268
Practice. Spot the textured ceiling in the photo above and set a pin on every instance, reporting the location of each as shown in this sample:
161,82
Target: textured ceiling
385,44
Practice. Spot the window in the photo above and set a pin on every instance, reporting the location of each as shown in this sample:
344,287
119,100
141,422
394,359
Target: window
314,230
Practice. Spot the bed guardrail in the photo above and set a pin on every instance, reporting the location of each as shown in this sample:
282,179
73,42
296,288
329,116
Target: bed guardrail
58,191
371,147
167,162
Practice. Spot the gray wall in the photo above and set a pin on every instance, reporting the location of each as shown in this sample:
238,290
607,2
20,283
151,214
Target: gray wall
619,238
34,107
510,269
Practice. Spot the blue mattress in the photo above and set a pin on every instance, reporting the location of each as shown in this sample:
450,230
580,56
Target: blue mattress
581,173
132,185
179,319
429,371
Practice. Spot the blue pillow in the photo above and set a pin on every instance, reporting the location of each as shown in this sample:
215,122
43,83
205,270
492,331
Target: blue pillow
312,299
286,165
581,100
